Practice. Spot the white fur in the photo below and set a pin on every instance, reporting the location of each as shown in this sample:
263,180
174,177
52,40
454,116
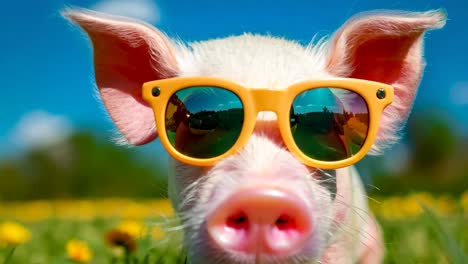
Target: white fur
254,61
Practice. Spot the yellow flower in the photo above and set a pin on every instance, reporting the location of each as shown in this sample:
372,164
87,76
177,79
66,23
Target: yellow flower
78,251
446,205
118,239
13,234
391,208
132,228
412,205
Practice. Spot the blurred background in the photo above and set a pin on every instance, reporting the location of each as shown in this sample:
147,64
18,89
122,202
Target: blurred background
56,140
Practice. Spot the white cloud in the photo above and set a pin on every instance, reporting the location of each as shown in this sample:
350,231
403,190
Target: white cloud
40,129
459,93
145,10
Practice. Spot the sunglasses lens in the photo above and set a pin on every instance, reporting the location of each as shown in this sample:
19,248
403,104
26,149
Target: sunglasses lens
329,124
204,121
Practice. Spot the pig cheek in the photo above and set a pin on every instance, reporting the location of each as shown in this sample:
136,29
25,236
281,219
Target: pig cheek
344,196
181,178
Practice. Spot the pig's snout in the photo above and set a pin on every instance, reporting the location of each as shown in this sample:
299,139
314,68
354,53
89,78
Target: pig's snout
266,221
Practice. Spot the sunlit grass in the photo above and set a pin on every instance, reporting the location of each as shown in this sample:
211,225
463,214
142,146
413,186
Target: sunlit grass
87,241
34,211
418,228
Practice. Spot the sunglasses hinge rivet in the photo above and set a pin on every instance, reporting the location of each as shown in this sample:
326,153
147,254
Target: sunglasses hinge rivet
156,91
381,93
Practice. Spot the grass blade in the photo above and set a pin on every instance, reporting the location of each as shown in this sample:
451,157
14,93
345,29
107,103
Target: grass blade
451,246
9,256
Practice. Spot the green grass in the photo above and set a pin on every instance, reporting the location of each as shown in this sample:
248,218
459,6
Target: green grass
426,239
49,239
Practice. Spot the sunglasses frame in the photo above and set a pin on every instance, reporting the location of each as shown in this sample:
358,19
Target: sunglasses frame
254,100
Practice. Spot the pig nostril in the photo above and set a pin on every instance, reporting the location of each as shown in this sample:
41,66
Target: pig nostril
260,222
238,221
285,222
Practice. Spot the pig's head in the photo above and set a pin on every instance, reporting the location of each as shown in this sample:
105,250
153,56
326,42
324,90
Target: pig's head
261,204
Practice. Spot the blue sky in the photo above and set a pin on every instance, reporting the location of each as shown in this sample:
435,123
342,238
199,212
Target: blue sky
46,65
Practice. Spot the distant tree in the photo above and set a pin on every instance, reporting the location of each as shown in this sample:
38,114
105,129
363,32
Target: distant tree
437,159
432,140
83,166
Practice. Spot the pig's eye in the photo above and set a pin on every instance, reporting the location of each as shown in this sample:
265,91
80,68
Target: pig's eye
204,122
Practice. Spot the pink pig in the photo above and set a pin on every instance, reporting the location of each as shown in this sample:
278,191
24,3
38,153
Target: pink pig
262,205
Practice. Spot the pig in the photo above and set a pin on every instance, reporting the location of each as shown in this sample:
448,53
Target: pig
262,205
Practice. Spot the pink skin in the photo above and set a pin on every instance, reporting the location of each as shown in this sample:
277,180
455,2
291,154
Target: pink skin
260,220
262,205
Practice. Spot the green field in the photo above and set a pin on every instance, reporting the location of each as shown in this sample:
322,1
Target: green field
48,244
413,234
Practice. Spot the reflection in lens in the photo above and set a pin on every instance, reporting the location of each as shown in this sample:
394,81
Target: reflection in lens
203,122
329,124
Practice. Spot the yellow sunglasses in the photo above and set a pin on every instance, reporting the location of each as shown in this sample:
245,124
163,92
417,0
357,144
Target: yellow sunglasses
326,124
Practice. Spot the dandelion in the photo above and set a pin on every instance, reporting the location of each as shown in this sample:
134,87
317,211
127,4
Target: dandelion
412,205
78,251
391,208
118,239
125,236
446,205
13,234
132,228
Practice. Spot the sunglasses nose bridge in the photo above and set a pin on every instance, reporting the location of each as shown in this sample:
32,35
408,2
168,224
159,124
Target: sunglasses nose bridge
267,100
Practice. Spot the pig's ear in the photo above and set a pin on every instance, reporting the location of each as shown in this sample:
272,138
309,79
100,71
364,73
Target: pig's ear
387,48
127,53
